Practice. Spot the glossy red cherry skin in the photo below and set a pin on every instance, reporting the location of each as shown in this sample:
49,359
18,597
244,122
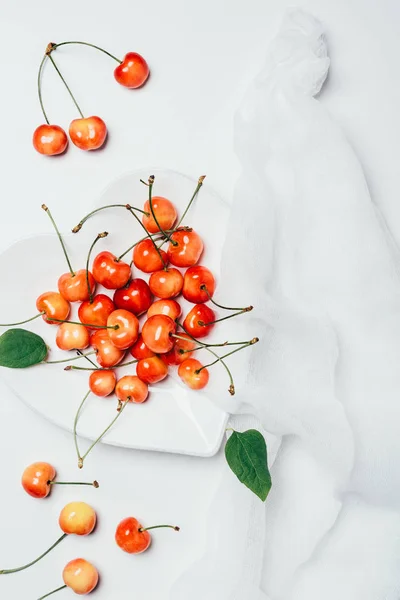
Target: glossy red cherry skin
139,349
129,537
128,328
164,211
171,308
131,388
97,312
175,356
89,133
71,336
35,479
50,140
110,272
102,382
136,297
199,314
54,305
133,71
74,287
188,249
107,355
146,258
166,283
151,370
194,279
188,372
157,332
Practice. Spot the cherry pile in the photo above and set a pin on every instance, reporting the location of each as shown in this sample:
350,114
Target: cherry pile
87,133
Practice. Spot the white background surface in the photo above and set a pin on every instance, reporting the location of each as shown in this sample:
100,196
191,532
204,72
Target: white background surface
201,56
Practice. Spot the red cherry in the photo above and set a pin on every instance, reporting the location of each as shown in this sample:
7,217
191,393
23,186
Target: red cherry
188,249
36,479
110,272
74,287
54,305
151,370
71,336
166,283
165,307
194,278
188,372
164,211
131,388
107,355
146,258
129,537
50,140
102,382
136,297
199,313
139,349
175,356
133,71
128,328
157,332
80,576
96,312
89,133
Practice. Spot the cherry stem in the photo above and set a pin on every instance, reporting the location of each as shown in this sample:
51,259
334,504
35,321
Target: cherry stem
174,527
65,83
53,592
203,287
120,411
165,234
95,368
99,237
196,191
87,358
94,484
138,242
148,235
250,343
47,210
54,46
22,322
56,362
81,223
86,324
202,324
78,412
182,351
39,87
8,571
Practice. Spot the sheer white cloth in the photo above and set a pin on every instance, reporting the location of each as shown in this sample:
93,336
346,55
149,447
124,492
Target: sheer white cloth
306,248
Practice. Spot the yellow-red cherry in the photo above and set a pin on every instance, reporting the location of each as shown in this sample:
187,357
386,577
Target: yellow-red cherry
77,518
166,283
54,305
131,388
133,71
135,297
171,308
71,336
187,249
110,272
152,370
195,279
50,140
190,373
74,287
97,311
147,258
130,538
139,349
164,211
102,382
199,321
88,133
181,351
80,576
107,355
157,333
36,479
126,328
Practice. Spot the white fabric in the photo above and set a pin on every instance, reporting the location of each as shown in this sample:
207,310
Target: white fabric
306,248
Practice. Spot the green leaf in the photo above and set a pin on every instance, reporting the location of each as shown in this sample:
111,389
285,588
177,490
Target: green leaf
20,348
246,454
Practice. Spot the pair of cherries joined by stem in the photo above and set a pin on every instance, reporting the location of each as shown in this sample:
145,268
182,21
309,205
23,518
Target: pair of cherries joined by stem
87,133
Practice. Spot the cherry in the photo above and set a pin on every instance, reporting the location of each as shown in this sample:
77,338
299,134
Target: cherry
128,328
147,258
132,538
97,311
196,320
181,350
81,576
157,332
171,308
187,250
166,283
133,71
131,388
89,133
151,370
135,297
164,211
50,140
107,355
110,272
102,382
195,278
77,518
193,374
74,287
54,305
71,336
38,479
139,349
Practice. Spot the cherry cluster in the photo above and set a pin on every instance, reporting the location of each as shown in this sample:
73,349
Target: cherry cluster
87,133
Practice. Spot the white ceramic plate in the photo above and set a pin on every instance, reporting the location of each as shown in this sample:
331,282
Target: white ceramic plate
174,419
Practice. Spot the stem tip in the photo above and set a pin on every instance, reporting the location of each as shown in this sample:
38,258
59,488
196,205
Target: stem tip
77,228
45,207
68,368
254,340
232,389
80,463
96,484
